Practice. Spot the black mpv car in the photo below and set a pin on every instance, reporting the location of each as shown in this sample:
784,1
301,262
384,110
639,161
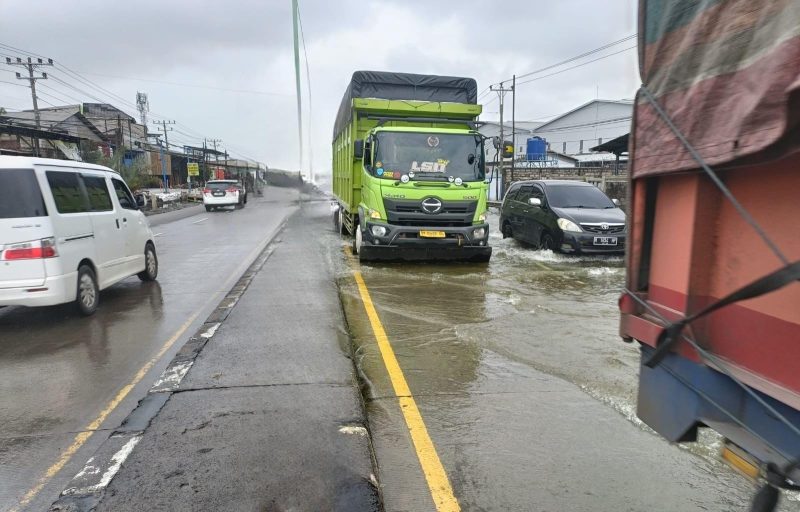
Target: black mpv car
562,215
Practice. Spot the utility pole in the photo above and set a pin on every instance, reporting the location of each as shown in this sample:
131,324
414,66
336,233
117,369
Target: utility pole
163,128
513,126
501,92
31,65
216,155
295,14
143,106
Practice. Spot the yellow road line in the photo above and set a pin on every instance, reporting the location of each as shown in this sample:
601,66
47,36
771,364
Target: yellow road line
89,430
438,483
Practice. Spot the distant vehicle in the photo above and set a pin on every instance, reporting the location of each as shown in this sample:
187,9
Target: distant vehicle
220,193
67,231
565,216
408,168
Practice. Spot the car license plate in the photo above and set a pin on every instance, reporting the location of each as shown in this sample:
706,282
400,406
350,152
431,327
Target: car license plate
218,193
431,234
605,240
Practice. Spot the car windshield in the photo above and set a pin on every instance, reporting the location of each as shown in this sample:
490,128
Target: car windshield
20,195
575,196
429,156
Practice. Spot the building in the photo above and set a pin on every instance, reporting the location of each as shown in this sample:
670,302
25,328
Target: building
586,126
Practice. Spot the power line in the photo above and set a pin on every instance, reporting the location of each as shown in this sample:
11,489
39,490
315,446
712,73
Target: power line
195,86
576,66
576,57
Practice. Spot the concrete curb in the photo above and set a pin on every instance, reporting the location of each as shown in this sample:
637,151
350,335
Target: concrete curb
87,487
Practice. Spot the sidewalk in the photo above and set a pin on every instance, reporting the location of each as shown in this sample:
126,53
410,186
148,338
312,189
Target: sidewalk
268,416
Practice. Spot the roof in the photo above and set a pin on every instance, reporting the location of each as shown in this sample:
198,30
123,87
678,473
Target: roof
616,146
8,161
615,102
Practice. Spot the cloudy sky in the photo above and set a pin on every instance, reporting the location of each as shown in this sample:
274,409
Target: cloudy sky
224,69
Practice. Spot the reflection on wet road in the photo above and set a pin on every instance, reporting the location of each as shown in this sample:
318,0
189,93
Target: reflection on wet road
59,371
524,385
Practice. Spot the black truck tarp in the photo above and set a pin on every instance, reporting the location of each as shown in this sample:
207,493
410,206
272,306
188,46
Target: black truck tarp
404,86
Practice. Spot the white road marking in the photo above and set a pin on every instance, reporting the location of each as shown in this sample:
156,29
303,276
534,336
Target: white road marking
171,378
116,463
351,430
157,235
201,220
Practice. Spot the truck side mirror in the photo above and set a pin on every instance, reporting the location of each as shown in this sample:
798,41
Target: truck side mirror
358,149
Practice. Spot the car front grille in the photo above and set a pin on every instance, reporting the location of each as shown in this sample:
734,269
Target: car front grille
597,228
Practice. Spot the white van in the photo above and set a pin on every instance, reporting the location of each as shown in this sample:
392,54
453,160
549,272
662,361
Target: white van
68,230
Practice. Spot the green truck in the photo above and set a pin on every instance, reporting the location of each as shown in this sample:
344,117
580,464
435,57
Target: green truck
409,168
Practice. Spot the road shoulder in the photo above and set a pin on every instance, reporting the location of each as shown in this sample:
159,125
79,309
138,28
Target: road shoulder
260,410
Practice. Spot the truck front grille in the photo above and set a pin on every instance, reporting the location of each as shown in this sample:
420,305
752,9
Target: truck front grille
410,213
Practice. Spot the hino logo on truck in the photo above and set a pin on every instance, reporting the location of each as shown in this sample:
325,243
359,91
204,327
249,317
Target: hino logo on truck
431,205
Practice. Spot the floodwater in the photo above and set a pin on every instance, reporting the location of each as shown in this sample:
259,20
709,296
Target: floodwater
500,357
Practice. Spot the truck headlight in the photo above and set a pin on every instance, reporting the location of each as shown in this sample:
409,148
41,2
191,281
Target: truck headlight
479,233
568,225
374,214
378,231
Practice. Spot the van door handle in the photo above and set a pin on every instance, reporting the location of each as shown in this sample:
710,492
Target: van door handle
117,221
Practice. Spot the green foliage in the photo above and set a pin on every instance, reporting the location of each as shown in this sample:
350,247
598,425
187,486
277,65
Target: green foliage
136,175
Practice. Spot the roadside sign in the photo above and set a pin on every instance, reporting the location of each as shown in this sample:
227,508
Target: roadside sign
193,169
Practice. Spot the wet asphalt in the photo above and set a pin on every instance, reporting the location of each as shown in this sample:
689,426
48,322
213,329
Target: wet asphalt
59,371
525,388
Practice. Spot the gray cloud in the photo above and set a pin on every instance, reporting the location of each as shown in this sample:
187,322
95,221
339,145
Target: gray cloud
247,45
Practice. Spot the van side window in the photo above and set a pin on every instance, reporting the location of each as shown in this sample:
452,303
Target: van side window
99,198
511,193
524,194
124,195
67,193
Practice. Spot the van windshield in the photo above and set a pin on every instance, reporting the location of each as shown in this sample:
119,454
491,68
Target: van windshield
20,195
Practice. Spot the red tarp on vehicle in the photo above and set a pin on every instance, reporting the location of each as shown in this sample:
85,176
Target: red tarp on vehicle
727,72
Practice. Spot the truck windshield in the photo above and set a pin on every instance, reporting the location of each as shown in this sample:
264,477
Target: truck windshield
429,156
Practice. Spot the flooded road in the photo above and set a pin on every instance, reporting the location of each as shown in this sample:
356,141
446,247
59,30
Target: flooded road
525,387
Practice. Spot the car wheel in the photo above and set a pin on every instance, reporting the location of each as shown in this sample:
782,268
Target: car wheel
150,272
507,231
547,242
88,292
208,208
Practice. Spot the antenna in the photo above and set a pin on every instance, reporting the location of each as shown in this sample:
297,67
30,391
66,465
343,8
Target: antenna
143,106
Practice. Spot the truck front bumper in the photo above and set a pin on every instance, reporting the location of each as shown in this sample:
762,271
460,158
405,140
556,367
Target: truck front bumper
407,243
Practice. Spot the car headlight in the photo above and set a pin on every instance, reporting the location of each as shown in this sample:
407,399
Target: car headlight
568,225
479,233
374,214
378,230
482,217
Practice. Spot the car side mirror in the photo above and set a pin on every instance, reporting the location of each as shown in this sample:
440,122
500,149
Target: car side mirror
615,201
140,201
535,201
358,149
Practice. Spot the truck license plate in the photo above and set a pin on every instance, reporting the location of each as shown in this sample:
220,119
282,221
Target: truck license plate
431,234
605,240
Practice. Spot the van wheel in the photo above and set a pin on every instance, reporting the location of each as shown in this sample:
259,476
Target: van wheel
547,243
507,232
88,293
150,272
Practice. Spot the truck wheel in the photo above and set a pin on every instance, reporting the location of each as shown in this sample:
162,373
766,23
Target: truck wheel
358,240
342,228
88,292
